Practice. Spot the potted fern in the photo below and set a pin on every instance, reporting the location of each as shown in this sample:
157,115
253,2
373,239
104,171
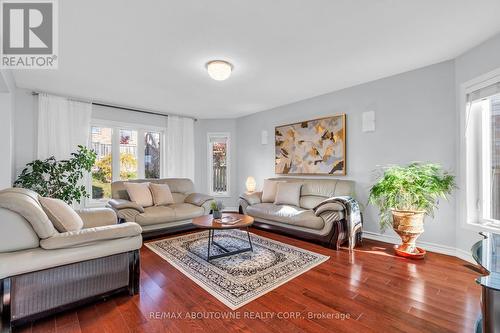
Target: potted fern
405,195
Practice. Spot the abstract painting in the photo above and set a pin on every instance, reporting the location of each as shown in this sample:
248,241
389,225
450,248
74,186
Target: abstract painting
312,147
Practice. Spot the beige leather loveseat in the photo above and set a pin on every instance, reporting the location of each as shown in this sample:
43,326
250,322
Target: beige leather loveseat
43,270
312,218
158,220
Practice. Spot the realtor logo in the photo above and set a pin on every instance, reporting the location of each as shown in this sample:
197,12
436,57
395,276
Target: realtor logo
29,34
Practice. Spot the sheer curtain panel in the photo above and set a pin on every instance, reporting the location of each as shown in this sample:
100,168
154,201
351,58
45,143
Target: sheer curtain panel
62,126
180,147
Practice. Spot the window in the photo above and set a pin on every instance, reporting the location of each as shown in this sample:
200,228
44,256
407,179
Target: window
152,154
482,134
102,175
124,151
128,154
218,163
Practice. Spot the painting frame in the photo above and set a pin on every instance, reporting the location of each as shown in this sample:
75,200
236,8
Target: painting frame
342,172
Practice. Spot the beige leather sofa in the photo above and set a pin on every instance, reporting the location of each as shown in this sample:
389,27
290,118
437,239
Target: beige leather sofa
326,225
43,271
159,220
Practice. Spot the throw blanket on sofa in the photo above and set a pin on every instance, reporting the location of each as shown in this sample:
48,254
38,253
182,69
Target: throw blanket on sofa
353,215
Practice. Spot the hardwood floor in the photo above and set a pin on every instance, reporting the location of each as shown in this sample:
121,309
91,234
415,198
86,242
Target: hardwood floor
369,290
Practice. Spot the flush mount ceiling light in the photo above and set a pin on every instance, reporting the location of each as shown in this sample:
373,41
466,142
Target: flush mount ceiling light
219,70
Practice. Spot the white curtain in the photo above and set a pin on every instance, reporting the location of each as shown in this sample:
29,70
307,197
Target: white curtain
180,147
62,126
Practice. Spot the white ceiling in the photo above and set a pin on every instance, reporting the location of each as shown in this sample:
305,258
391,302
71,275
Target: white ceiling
151,54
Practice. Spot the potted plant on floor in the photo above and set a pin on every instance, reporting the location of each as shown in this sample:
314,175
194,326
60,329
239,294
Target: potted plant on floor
60,179
404,195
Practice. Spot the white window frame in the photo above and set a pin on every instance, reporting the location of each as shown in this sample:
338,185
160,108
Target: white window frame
227,136
472,219
116,126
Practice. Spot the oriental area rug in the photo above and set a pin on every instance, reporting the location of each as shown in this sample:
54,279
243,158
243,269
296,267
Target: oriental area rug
237,279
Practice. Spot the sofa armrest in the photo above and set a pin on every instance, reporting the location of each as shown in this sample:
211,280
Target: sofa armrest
353,218
96,217
198,199
90,235
118,204
207,207
329,204
252,198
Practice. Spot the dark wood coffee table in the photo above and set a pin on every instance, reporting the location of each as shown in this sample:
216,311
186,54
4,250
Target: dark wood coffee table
207,222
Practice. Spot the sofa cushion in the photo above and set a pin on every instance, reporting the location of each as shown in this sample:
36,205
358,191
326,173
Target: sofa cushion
161,194
177,185
170,213
269,190
311,201
287,194
62,216
323,187
185,211
288,214
179,197
155,214
139,193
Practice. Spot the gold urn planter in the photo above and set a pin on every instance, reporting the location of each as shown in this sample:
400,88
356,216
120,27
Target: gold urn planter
417,187
409,225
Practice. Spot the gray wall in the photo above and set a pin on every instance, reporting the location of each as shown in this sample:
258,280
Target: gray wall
201,129
415,121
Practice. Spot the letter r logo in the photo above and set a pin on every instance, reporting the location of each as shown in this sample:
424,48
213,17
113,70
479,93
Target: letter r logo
27,27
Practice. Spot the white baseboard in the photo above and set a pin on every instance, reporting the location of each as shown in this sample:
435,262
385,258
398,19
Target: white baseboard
448,250
230,209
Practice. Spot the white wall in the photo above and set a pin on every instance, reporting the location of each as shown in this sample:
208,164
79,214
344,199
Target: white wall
7,110
125,116
415,121
6,138
201,129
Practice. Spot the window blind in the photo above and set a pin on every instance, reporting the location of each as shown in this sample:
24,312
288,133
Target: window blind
485,92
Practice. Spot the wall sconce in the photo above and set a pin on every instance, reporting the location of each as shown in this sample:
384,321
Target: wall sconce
368,121
250,184
263,137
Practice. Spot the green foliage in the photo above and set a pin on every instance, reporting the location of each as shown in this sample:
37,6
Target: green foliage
216,206
58,179
103,172
415,187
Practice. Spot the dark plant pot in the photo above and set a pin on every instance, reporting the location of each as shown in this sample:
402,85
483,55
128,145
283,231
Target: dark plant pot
216,214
